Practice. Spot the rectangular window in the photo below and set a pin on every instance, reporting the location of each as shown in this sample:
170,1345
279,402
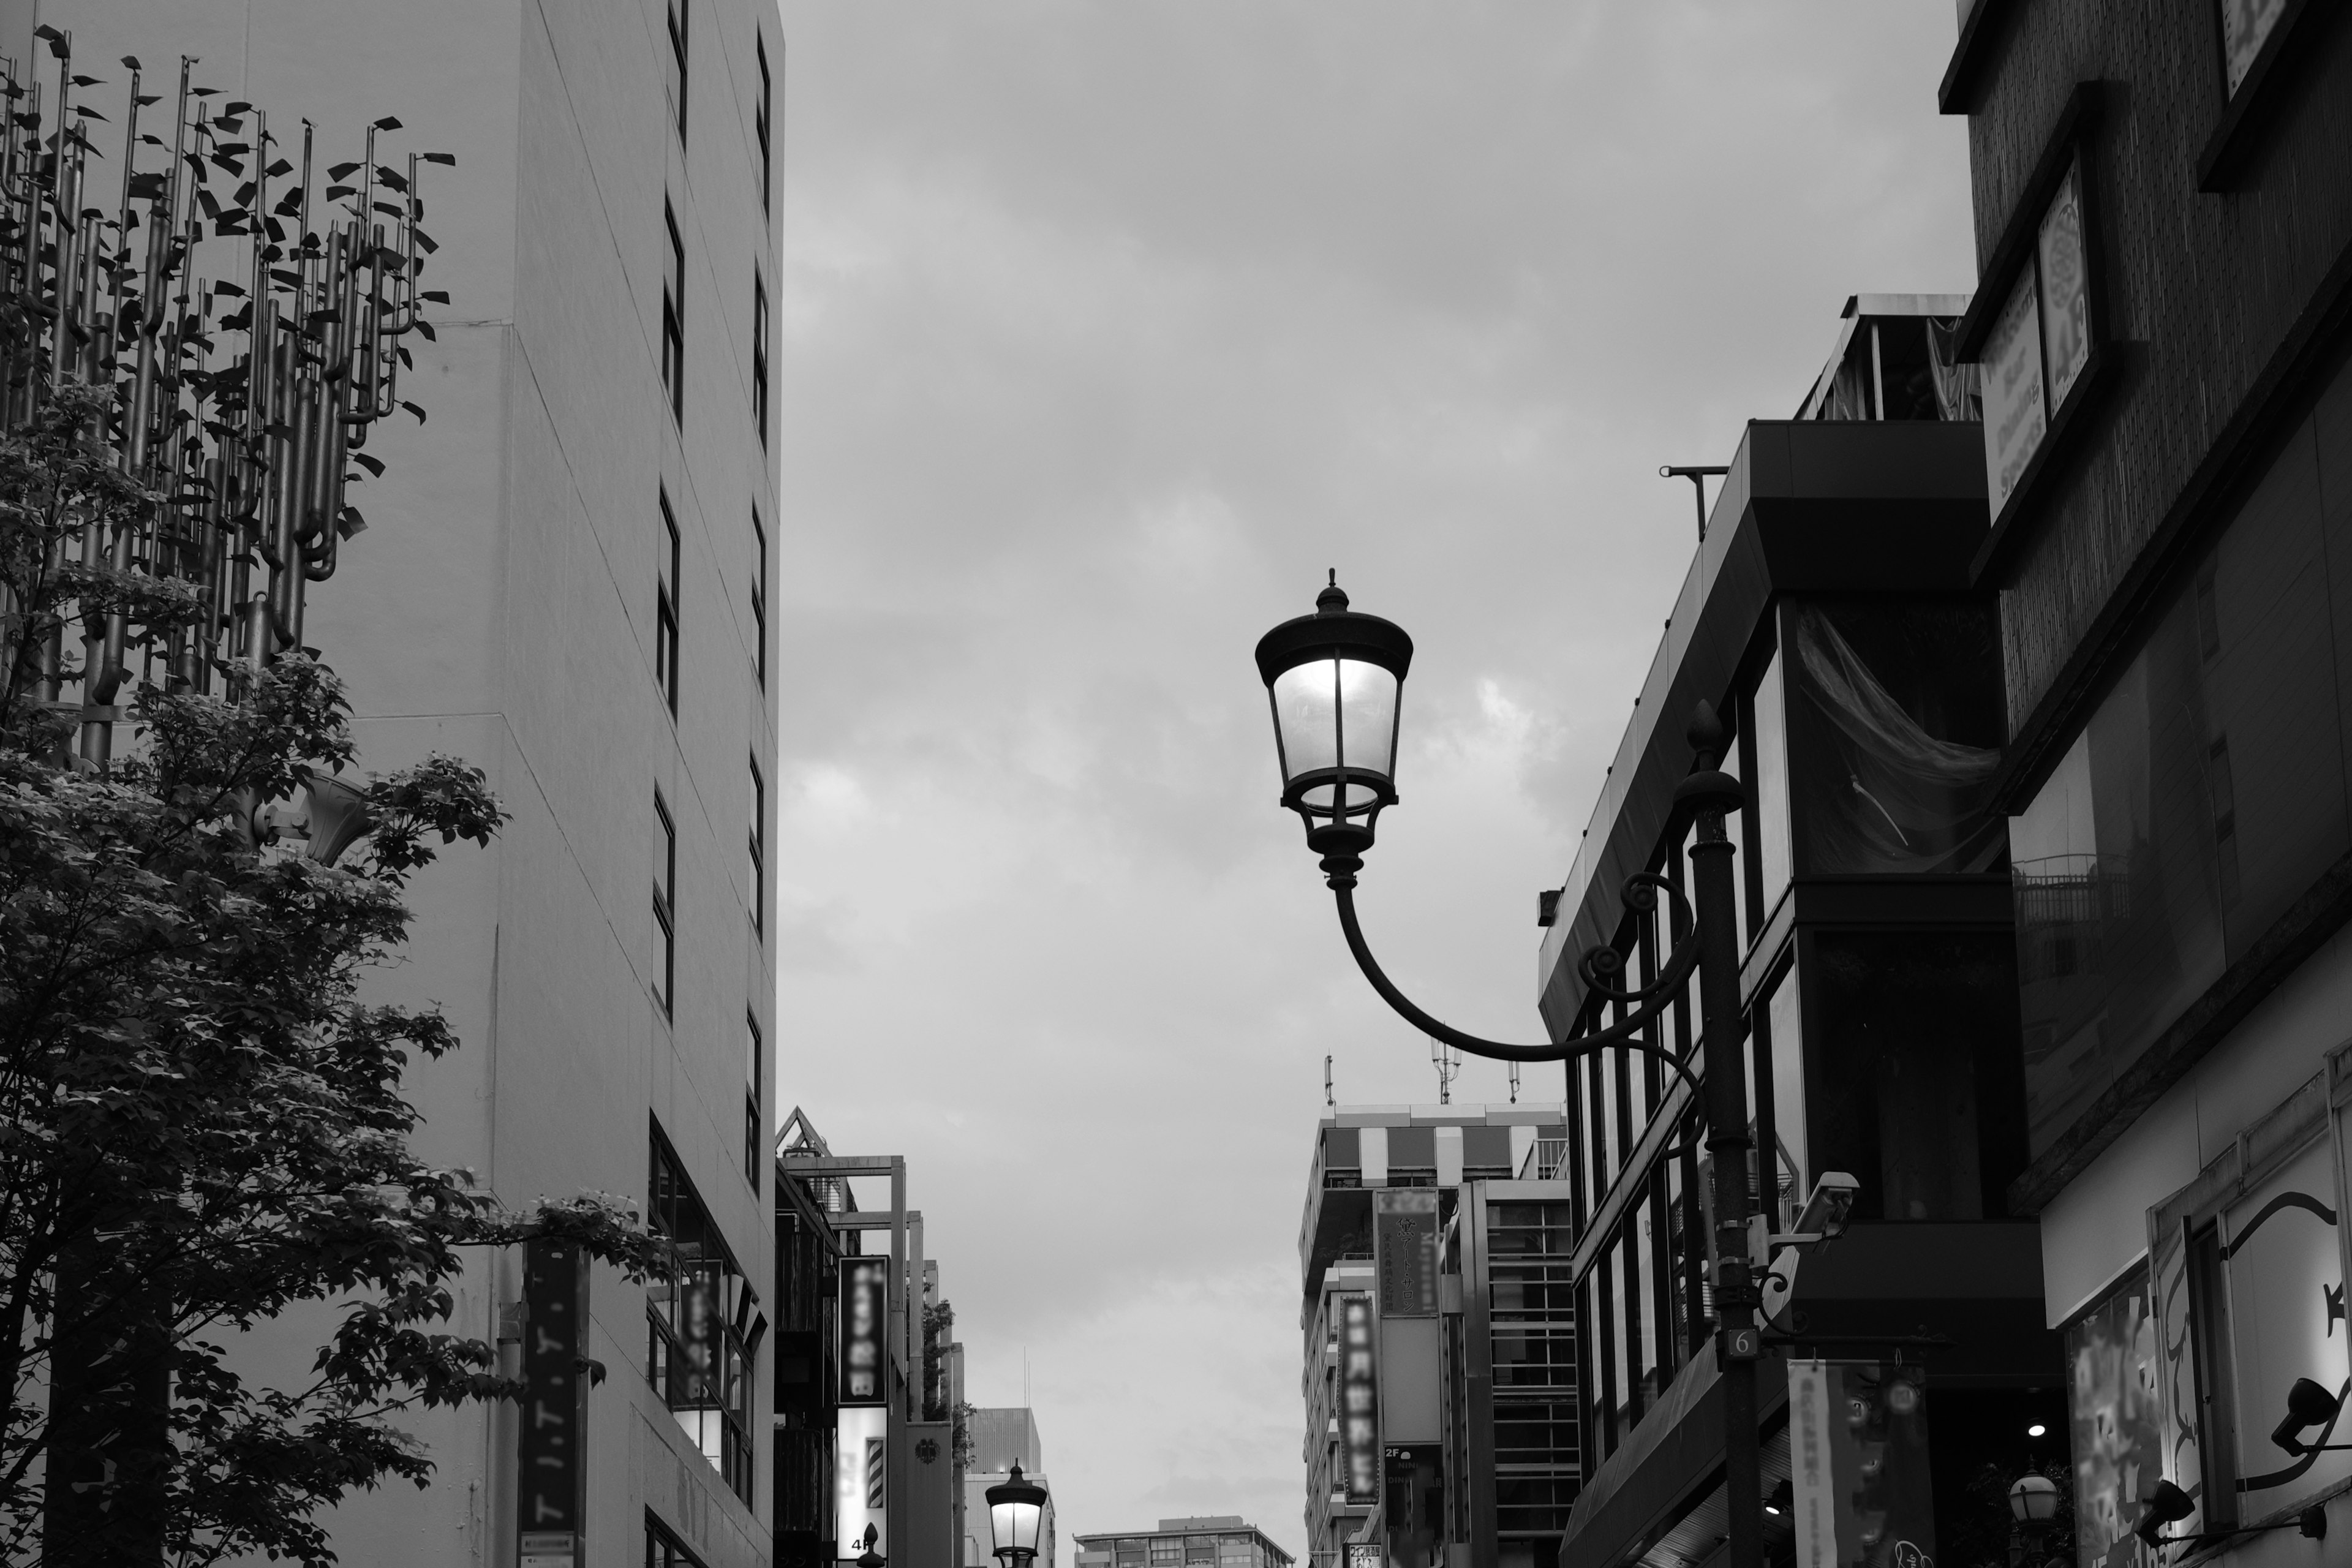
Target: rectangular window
1773,859
665,906
675,79
702,1326
760,356
664,1550
758,878
665,607
759,599
673,323
762,124
755,1123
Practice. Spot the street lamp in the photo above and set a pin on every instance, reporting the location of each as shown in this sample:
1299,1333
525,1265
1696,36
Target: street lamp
1016,1512
2032,1504
1336,679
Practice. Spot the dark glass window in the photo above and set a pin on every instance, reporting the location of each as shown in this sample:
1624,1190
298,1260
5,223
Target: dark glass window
763,125
664,1550
760,357
665,906
673,323
758,600
1913,1081
700,1340
674,76
757,869
666,606
2202,799
755,1125
1894,724
1769,731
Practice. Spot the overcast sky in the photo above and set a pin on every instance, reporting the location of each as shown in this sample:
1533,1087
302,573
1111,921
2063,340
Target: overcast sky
1107,329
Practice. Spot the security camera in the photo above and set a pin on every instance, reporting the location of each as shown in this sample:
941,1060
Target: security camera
1826,1211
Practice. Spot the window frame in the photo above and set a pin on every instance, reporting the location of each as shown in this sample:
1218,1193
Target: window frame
667,573
755,1099
759,355
764,123
665,907
758,847
740,1325
679,20
2242,118
673,319
759,598
2068,150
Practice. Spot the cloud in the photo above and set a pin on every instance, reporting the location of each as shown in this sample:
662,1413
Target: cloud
1106,330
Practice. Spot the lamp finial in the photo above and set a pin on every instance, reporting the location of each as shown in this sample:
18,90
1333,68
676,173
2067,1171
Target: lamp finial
1333,598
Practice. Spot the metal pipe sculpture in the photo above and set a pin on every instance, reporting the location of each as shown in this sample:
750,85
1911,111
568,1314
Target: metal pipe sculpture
249,345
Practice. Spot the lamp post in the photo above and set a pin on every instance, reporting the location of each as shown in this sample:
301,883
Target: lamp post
1335,680
1016,1513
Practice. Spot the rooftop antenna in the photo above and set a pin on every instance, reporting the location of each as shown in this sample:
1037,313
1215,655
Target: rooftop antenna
1328,1103
1448,1063
1515,1083
1698,474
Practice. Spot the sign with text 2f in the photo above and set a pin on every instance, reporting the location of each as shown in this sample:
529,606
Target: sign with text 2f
1360,1417
553,1483
865,1330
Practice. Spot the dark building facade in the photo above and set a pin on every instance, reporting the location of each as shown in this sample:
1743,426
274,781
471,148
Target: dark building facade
806,1361
1830,619
2163,196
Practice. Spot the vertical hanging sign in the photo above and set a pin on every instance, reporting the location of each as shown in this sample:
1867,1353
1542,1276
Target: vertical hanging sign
865,1330
1405,1240
551,1451
1359,1421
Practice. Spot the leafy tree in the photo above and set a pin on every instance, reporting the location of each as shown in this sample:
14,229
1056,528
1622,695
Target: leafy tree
203,1125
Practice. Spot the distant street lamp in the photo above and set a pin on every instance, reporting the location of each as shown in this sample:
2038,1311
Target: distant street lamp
1016,1513
1336,679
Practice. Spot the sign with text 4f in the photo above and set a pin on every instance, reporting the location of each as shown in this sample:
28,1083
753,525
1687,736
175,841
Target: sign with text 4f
865,1330
552,1449
1360,1417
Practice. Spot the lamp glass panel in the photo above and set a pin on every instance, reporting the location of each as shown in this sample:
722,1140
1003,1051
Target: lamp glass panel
1330,703
1368,716
1014,1525
1306,708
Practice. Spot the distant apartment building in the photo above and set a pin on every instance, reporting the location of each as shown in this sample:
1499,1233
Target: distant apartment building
1440,1369
564,582
1208,1540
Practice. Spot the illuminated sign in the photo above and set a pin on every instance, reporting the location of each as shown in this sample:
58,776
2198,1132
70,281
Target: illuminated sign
865,1330
551,1472
861,1478
1359,1421
1405,1245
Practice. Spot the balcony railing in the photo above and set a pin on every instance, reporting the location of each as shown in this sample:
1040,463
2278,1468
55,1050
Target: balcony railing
1545,1160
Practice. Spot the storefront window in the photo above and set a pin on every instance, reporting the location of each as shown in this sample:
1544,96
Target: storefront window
1894,724
2113,1387
1914,1086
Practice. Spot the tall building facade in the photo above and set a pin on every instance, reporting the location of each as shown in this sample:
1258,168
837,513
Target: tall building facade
565,581
1828,618
2163,199
1439,1374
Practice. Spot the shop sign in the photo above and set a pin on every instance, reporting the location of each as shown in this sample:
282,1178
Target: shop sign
1360,1424
861,1478
1858,1466
865,1330
1404,1248
552,1448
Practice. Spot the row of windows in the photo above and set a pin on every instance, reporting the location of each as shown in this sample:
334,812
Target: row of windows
679,20
702,1328
668,605
673,328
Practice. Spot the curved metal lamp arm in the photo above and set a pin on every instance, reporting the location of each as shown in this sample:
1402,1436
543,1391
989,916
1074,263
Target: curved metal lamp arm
1620,1035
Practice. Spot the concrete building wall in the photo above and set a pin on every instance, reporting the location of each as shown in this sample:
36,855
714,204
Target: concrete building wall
500,606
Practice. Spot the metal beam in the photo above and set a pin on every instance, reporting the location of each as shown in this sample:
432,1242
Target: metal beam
841,1165
870,1219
